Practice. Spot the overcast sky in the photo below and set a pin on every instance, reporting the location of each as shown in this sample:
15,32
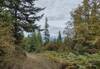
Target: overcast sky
58,13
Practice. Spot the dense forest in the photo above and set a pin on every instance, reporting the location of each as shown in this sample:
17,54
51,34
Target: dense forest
78,49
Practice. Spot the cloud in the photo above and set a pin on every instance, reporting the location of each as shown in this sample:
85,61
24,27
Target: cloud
58,13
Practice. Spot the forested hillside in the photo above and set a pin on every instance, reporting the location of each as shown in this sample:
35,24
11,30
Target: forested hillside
77,48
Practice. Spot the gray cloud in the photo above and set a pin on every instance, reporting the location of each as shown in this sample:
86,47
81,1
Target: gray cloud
58,13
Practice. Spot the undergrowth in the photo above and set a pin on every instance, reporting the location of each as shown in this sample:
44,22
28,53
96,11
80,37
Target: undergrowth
87,61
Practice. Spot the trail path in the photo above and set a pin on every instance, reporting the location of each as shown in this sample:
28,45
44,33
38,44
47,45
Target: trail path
39,62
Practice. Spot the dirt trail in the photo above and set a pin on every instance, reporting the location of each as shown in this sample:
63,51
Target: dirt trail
39,62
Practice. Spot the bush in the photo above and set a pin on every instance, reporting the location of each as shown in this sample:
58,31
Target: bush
51,47
73,61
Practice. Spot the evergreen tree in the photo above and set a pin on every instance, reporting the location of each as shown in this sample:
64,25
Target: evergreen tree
26,43
24,14
59,39
40,38
33,42
16,16
86,24
36,40
46,32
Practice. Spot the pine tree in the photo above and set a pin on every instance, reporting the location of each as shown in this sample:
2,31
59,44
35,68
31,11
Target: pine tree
16,16
86,24
40,38
81,20
59,39
24,14
46,32
33,43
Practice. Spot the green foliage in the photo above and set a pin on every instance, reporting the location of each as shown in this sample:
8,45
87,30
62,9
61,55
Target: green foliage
68,43
86,25
14,19
86,61
20,12
37,40
6,39
33,42
46,32
51,47
59,39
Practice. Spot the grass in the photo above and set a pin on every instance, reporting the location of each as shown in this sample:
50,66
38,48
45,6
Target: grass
87,61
